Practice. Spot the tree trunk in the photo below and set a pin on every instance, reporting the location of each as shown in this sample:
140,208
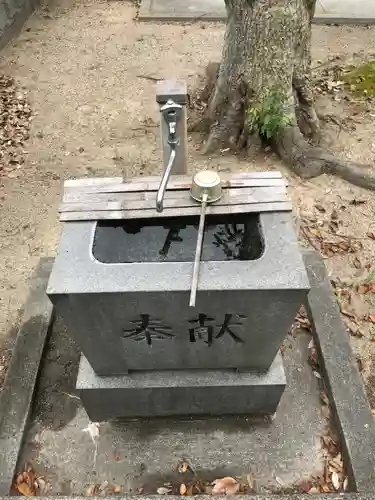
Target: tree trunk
267,50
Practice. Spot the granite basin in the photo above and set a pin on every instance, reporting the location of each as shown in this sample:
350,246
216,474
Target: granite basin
124,294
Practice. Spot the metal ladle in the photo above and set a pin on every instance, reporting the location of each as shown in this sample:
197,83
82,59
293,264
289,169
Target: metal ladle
206,188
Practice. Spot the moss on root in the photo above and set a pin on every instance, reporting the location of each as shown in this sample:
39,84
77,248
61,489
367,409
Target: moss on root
360,80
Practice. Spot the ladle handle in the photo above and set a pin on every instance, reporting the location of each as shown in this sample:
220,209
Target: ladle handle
198,251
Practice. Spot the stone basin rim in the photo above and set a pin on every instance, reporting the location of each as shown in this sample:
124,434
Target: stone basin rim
279,267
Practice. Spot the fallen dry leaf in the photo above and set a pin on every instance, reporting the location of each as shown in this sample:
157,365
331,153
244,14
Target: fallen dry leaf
251,481
26,490
356,332
371,318
279,481
225,486
233,490
304,486
353,328
313,491
341,291
40,484
334,215
314,358
345,485
208,489
357,202
346,312
326,412
183,489
357,263
91,490
324,398
163,490
103,485
334,466
183,467
27,483
362,289
358,305
337,463
359,364
315,232
301,321
371,236
335,480
330,445
113,489
319,207
190,489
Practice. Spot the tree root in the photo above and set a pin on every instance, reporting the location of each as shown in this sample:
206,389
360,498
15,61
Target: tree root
310,161
225,120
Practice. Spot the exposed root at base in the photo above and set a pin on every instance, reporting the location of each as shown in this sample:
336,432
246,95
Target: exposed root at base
227,128
310,161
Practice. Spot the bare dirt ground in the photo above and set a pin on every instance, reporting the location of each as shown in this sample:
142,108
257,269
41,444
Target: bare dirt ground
83,65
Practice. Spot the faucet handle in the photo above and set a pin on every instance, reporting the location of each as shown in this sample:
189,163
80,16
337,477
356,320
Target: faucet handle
171,112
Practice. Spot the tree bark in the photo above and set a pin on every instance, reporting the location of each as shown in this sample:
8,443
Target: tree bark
267,45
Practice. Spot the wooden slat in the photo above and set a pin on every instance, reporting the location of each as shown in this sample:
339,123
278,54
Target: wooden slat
183,200
172,185
173,212
169,195
84,197
80,197
93,181
90,197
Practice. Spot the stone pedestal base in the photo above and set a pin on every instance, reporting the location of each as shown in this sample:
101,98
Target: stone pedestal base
180,393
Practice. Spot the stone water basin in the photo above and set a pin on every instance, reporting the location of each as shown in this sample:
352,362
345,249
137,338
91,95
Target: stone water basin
122,288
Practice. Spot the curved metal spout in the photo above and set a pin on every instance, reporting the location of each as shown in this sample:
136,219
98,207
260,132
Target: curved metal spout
165,178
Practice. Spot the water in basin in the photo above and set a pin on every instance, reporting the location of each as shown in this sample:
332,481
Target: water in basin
173,239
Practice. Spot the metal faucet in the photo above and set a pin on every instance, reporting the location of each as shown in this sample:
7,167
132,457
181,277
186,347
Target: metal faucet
171,112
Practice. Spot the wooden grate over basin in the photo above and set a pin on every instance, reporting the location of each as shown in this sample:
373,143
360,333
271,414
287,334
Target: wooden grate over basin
135,198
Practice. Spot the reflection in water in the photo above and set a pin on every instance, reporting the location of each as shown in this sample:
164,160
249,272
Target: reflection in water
226,237
173,235
231,241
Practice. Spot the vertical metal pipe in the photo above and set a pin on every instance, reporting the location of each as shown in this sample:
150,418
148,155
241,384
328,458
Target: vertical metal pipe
177,91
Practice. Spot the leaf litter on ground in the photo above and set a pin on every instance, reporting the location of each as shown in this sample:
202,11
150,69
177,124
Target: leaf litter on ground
225,486
15,120
301,322
28,483
102,489
184,467
322,234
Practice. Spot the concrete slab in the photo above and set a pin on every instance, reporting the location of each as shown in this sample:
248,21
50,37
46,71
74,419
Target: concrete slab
347,394
327,11
18,390
167,393
145,453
